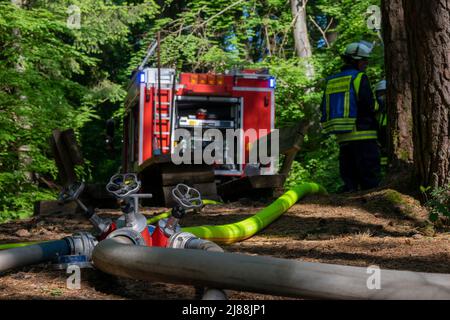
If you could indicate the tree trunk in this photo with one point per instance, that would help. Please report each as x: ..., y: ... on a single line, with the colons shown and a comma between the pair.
x: 428, y: 25
x: 302, y: 44
x: 398, y: 76
x: 301, y: 38
x: 332, y: 35
x: 23, y: 150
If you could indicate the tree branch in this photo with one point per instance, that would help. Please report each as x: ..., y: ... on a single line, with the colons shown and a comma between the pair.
x: 323, y: 31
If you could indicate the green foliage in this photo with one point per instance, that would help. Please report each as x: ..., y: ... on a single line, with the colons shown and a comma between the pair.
x: 13, y: 206
x: 351, y: 26
x: 52, y: 76
x: 296, y: 97
x: 438, y: 201
x: 320, y: 165
x: 37, y: 94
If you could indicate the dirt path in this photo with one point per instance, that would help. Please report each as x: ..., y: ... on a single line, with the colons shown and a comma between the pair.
x: 382, y: 228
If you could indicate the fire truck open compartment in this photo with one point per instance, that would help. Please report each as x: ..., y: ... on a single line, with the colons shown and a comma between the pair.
x: 221, y: 113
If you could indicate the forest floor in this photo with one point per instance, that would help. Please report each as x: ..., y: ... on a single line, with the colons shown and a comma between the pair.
x: 383, y: 228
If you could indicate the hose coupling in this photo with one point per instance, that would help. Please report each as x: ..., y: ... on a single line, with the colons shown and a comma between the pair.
x: 82, y: 243
x: 101, y: 225
x: 135, y: 236
x: 169, y: 226
x: 186, y: 240
x: 180, y: 240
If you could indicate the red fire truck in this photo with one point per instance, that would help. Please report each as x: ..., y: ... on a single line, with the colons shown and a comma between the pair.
x: 157, y: 105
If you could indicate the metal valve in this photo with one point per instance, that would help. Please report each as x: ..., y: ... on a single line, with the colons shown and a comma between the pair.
x: 123, y: 185
x: 187, y: 197
x: 72, y: 193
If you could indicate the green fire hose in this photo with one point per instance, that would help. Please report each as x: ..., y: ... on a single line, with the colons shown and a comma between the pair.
x: 245, y: 229
x: 233, y: 232
x: 17, y: 245
x: 149, y: 221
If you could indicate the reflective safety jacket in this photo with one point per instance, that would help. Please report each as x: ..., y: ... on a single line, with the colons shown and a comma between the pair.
x: 381, y: 115
x: 340, y: 106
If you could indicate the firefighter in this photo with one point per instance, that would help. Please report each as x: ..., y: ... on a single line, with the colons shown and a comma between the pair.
x: 381, y: 115
x: 348, y: 112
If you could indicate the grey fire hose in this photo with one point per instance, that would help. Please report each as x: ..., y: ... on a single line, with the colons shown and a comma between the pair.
x: 265, y: 274
x: 186, y: 240
x: 79, y: 243
x: 34, y: 254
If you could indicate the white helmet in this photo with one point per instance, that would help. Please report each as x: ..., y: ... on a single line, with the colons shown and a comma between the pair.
x: 358, y: 51
x: 380, y: 86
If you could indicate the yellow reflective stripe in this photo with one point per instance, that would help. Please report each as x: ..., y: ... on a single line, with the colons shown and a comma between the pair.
x: 357, y: 83
x: 377, y: 106
x: 339, y: 124
x: 342, y: 126
x: 356, y: 135
x: 341, y: 120
x: 327, y: 97
x: 334, y: 129
x: 383, y: 161
x: 338, y: 85
x: 381, y: 117
x: 347, y: 104
x: 383, y: 120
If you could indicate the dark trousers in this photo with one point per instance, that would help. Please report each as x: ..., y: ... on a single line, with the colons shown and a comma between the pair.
x: 359, y: 164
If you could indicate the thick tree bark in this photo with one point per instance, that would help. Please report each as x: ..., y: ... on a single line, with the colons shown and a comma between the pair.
x: 398, y: 76
x: 428, y: 25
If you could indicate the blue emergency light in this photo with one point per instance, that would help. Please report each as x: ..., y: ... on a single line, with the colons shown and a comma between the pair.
x: 142, y: 77
x: 272, y: 83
